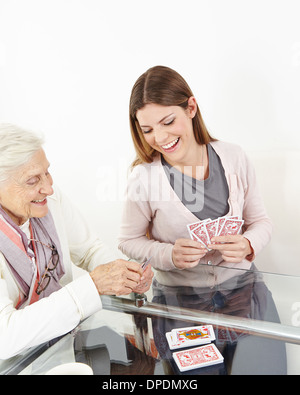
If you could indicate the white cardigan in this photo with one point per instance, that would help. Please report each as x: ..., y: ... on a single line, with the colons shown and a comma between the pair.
x: 63, y: 310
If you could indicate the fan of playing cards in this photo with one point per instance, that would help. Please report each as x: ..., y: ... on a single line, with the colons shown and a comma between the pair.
x: 203, y: 231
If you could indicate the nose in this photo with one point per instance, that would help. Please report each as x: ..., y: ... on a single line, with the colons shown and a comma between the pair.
x: 161, y: 136
x: 46, y: 187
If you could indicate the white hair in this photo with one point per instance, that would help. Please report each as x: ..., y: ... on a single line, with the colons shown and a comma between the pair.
x: 17, y: 146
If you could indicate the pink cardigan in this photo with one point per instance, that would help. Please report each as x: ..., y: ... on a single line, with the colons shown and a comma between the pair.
x: 152, y: 205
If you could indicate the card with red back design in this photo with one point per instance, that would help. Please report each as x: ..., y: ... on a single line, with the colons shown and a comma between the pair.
x: 211, y: 228
x: 191, y: 227
x: 203, y: 231
x: 198, y: 357
x: 221, y: 221
x: 231, y: 226
x: 200, y: 234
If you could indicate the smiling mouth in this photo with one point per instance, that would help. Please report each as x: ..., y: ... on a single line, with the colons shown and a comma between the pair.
x: 41, y: 201
x: 171, y: 144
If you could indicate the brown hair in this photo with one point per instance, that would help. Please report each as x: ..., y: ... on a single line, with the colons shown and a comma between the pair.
x: 164, y: 86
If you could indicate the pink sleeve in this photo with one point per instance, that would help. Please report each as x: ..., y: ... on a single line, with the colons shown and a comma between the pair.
x: 257, y: 223
x: 136, y: 221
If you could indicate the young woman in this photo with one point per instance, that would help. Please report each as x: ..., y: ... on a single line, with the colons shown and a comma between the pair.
x: 182, y: 175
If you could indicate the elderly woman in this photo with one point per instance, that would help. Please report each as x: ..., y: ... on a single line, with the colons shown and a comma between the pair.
x: 41, y: 236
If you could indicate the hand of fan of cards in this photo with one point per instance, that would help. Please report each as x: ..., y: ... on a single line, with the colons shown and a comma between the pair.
x: 196, y: 357
x: 203, y: 231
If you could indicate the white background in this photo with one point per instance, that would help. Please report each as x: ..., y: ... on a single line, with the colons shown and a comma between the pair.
x: 67, y: 68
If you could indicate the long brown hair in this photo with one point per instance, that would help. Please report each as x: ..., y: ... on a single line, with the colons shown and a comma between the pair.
x: 164, y: 86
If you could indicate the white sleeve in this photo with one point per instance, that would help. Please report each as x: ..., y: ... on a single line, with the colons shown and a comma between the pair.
x: 46, y: 319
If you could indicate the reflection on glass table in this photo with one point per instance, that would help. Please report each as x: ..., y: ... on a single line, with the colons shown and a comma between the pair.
x: 244, y: 297
x: 255, y: 317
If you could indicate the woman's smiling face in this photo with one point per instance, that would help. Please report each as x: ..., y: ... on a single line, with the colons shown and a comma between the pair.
x: 169, y: 130
x: 24, y: 195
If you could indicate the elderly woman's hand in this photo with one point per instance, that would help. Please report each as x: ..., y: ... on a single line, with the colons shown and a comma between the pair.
x: 145, y: 282
x: 119, y: 277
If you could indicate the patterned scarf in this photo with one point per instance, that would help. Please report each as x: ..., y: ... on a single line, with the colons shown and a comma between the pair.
x: 14, y: 245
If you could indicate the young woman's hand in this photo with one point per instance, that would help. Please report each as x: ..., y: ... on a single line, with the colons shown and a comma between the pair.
x: 234, y: 248
x: 187, y: 253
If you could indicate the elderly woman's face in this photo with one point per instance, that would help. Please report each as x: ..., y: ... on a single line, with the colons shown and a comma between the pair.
x: 24, y: 195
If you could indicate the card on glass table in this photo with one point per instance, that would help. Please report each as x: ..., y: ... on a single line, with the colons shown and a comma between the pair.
x: 198, y: 357
x: 190, y: 336
x: 195, y: 332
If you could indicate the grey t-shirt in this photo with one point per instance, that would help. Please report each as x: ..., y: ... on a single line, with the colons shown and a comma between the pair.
x: 206, y: 198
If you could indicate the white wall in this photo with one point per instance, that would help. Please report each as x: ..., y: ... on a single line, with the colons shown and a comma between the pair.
x: 67, y: 68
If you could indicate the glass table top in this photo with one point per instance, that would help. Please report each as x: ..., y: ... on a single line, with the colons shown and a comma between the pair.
x: 255, y: 318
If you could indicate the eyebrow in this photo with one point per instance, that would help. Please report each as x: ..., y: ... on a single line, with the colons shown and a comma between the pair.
x: 35, y: 173
x: 167, y: 116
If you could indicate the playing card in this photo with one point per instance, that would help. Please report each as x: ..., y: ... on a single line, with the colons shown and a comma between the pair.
x: 146, y: 263
x: 194, y: 332
x: 200, y: 234
x: 193, y: 225
x: 231, y: 227
x: 221, y: 221
x: 190, y: 336
x: 211, y: 229
x: 233, y: 335
x: 198, y: 357
x: 173, y: 342
x: 226, y: 335
x: 203, y: 231
x: 222, y: 336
